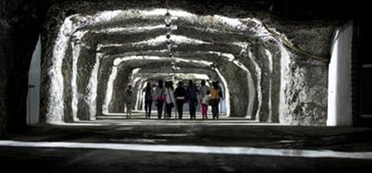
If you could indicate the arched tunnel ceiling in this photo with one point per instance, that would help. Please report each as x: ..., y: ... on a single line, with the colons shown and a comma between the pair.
x: 143, y: 32
x: 101, y: 44
x: 235, y: 9
x: 149, y: 38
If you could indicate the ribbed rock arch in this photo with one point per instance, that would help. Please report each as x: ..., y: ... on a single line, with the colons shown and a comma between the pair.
x: 244, y: 51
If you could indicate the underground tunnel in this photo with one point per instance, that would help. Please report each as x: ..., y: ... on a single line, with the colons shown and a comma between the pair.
x: 288, y: 71
x: 272, y: 67
x: 266, y: 77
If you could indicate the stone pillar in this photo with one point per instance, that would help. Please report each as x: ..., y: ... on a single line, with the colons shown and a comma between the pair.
x: 339, y: 79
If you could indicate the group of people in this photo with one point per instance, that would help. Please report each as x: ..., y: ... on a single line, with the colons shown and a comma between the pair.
x: 166, y: 97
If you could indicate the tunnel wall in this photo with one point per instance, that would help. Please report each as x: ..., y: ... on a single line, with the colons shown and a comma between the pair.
x: 20, y: 26
x: 305, y: 88
x: 340, y: 89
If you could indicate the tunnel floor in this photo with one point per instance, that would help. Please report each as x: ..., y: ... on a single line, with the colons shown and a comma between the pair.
x: 151, y: 145
x: 139, y: 116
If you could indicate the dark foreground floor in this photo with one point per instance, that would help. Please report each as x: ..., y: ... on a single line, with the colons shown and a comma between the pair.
x: 186, y: 146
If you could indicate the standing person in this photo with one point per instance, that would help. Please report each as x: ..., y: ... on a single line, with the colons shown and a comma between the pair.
x: 160, y: 97
x: 169, y: 99
x: 204, y: 105
x: 129, y: 97
x: 180, y: 95
x: 204, y: 92
x: 215, y: 99
x: 220, y: 97
x: 149, y: 97
x: 192, y: 93
x: 219, y: 88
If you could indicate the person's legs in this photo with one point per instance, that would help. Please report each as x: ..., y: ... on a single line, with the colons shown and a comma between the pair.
x: 217, y: 108
x: 146, y: 106
x: 192, y: 105
x: 150, y: 107
x: 129, y: 110
x: 125, y: 108
x: 168, y: 111
x: 195, y: 106
x: 180, y: 108
x: 204, y: 110
x: 160, y: 109
x: 214, y: 108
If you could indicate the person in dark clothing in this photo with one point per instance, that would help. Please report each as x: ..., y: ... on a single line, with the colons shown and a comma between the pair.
x: 217, y: 83
x: 180, y: 95
x: 160, y: 97
x: 192, y: 93
x: 149, y: 97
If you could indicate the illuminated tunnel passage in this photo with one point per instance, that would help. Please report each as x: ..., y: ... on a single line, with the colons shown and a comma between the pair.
x: 279, y: 63
x: 263, y: 75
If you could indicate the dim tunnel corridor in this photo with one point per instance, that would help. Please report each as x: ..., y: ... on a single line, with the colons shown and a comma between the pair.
x: 292, y: 76
x: 93, y: 57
